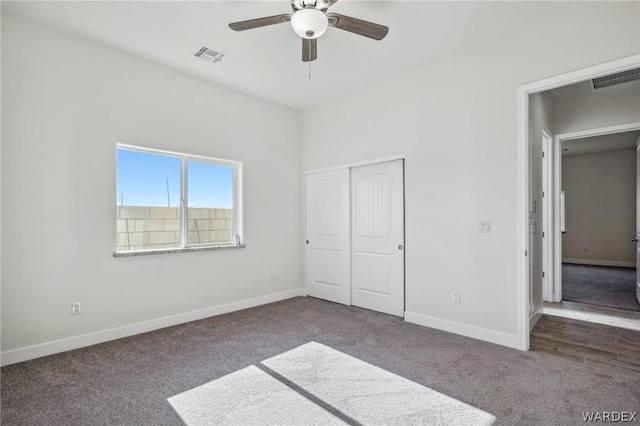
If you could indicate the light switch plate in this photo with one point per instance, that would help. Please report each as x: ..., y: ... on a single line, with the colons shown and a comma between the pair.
x: 485, y: 227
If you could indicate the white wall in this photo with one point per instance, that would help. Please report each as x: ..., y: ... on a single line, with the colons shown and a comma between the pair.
x: 600, y: 208
x: 455, y: 121
x: 541, y: 116
x: 601, y: 108
x: 65, y: 104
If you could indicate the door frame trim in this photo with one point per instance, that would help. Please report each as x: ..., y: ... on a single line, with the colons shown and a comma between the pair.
x: 523, y: 92
x: 548, y: 266
x: 556, y: 254
x: 356, y: 164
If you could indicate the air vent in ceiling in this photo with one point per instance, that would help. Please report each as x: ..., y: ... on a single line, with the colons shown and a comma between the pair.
x: 209, y: 55
x: 615, y: 79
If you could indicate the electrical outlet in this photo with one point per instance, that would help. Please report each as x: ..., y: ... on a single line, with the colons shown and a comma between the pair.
x: 456, y: 297
x: 75, y: 308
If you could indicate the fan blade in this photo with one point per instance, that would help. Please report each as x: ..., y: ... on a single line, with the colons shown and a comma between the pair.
x: 260, y: 22
x: 357, y: 26
x: 309, y: 49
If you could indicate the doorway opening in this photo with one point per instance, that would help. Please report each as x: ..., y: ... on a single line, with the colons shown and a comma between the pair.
x: 594, y: 248
x: 539, y: 235
x: 598, y: 181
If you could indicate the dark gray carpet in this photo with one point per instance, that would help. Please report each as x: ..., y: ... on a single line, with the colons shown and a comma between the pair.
x: 600, y: 285
x: 129, y: 381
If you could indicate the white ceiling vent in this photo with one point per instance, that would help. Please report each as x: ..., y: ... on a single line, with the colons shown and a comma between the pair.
x: 209, y: 55
x: 615, y: 79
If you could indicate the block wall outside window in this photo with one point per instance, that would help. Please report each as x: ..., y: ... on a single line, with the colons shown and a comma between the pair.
x: 150, y: 228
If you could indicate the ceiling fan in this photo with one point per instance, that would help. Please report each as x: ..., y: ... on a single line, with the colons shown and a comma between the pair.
x: 310, y: 20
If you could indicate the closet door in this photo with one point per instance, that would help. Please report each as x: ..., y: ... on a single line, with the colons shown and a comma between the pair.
x: 327, y: 229
x: 377, y: 237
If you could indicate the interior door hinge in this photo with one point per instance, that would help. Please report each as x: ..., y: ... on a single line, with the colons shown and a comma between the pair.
x: 542, y: 274
x: 525, y: 252
x: 542, y: 154
x: 542, y: 234
x: 542, y: 194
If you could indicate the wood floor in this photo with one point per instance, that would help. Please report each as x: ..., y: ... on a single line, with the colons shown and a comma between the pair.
x: 598, y: 345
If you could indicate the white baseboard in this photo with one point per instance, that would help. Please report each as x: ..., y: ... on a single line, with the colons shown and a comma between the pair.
x: 600, y: 263
x: 57, y: 346
x: 487, y: 335
x: 534, y: 320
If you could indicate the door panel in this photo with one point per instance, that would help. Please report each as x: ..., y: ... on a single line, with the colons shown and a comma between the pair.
x: 378, y: 237
x: 326, y: 206
x: 372, y: 205
x: 327, y: 266
x: 372, y: 273
x: 327, y: 230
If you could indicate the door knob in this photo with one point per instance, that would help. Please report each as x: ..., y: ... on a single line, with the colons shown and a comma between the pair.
x: 635, y: 240
x: 400, y: 247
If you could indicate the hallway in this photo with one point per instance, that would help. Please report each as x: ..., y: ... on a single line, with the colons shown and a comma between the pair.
x: 600, y: 285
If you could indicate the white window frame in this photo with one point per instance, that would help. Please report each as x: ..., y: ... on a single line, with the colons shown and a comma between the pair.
x: 185, y: 246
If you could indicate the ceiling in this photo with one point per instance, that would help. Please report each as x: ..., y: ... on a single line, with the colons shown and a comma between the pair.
x: 603, y: 143
x: 266, y: 62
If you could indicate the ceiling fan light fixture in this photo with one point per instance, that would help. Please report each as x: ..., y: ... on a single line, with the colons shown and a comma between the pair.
x: 309, y: 23
x: 318, y: 4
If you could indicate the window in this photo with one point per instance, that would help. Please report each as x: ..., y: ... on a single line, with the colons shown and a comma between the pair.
x: 175, y: 202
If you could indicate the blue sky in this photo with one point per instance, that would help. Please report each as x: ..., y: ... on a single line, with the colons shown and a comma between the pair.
x: 142, y: 181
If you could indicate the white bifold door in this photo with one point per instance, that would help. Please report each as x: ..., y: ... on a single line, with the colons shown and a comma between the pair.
x: 327, y: 211
x: 355, y: 236
x: 377, y: 237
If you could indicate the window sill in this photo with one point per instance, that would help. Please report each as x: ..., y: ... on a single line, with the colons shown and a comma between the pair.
x: 175, y: 250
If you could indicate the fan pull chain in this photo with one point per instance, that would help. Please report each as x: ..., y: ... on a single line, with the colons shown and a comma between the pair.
x: 309, y: 62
